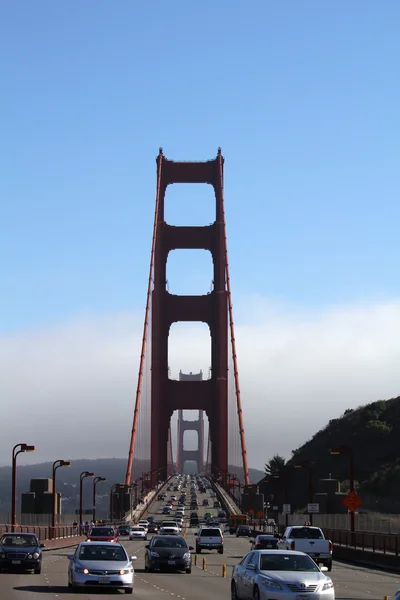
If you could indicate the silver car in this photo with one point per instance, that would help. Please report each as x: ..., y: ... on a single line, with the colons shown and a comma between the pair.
x: 101, y: 564
x: 282, y: 575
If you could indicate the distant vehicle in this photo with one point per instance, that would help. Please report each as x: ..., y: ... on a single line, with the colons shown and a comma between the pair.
x: 123, y: 529
x: 103, y: 534
x: 236, y: 520
x: 138, y: 532
x: 210, y: 538
x: 262, y: 542
x: 243, y: 531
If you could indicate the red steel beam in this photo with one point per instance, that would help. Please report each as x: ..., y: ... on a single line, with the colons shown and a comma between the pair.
x: 145, y: 332
x: 233, y: 339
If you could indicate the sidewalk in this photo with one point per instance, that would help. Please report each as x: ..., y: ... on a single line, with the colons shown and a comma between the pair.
x: 60, y: 543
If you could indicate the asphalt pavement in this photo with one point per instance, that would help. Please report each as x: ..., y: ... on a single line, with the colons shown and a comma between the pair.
x: 351, y: 582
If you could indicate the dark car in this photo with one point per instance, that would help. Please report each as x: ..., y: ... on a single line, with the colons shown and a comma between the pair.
x: 243, y: 531
x: 123, y: 529
x: 152, y: 528
x: 194, y: 520
x: 168, y: 552
x: 264, y: 541
x: 20, y: 551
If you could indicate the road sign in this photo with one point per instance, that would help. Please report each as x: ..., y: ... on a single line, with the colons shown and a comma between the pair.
x: 313, y: 507
x: 260, y: 514
x: 251, y: 512
x: 286, y: 509
x: 352, y: 501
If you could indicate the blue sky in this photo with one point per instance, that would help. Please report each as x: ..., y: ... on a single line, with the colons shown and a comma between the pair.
x: 303, y: 98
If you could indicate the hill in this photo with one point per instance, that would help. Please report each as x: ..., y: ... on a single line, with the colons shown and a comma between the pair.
x: 372, y: 432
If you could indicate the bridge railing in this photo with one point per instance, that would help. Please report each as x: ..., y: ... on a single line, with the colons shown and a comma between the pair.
x: 42, y: 533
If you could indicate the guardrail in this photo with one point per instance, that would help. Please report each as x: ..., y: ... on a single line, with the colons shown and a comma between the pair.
x: 41, y: 532
x: 361, y: 540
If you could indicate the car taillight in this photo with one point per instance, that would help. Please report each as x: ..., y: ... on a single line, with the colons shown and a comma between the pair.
x: 222, y: 540
x: 292, y: 546
x: 330, y: 546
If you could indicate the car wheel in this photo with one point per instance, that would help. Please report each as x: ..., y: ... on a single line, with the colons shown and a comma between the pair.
x: 189, y: 570
x: 128, y: 590
x: 37, y: 571
x: 329, y: 565
x: 198, y: 550
x: 256, y: 593
x: 234, y: 594
x: 221, y: 551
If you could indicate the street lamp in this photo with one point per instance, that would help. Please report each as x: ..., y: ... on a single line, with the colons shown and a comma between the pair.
x: 18, y: 448
x: 83, y: 475
x: 284, y: 478
x: 347, y: 451
x: 56, y: 465
x: 305, y: 464
x: 96, y: 480
x: 112, y: 491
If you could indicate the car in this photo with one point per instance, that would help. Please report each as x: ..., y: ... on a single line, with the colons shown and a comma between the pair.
x: 103, y: 534
x: 101, y: 564
x: 123, y: 529
x: 282, y: 575
x: 243, y: 531
x: 138, y: 533
x: 264, y: 541
x: 21, y: 551
x: 153, y: 528
x: 170, y: 552
x: 143, y: 523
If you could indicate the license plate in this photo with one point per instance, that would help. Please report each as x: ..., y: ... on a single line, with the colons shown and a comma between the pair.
x: 16, y: 562
x: 104, y: 580
x: 171, y: 562
x: 303, y: 598
x: 268, y: 545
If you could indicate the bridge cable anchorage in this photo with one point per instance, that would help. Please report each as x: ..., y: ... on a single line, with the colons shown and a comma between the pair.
x: 145, y: 325
x: 232, y: 331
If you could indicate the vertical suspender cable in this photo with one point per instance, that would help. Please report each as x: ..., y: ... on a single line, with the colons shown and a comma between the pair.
x: 145, y: 328
x: 233, y: 340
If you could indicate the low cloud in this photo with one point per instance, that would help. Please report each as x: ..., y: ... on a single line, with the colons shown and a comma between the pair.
x: 71, y: 389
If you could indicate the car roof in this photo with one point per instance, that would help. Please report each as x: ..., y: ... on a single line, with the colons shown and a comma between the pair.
x: 168, y: 537
x: 291, y: 552
x: 110, y: 544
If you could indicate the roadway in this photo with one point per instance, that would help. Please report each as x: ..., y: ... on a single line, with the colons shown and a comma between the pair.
x: 351, y: 582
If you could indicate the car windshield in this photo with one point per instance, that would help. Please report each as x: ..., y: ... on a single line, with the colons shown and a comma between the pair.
x: 177, y: 543
x: 95, y: 552
x: 18, y: 540
x: 101, y: 531
x: 210, y: 533
x: 306, y: 533
x: 287, y: 562
x: 138, y: 529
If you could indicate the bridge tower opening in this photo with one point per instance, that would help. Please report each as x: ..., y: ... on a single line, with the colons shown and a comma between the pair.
x: 183, y: 454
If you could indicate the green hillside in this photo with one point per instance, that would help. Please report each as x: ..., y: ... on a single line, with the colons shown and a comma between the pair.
x: 372, y: 432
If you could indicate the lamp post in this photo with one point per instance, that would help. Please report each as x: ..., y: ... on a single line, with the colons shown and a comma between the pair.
x: 113, y: 487
x: 18, y: 448
x: 83, y: 476
x: 283, y: 477
x: 96, y: 480
x: 305, y: 464
x: 56, y: 465
x: 347, y: 451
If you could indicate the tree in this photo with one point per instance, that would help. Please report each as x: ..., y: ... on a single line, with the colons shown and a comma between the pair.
x: 275, y: 465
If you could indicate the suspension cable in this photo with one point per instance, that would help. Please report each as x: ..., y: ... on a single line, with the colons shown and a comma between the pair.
x: 232, y: 328
x: 145, y: 326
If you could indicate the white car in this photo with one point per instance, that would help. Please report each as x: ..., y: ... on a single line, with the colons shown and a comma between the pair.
x: 138, y: 533
x: 144, y: 524
x: 282, y: 575
x: 169, y: 528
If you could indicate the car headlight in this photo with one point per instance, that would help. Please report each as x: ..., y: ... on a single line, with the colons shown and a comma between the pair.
x: 29, y: 556
x: 328, y: 585
x: 271, y: 584
x: 186, y: 555
x: 81, y: 570
x: 124, y: 571
x: 154, y: 554
x: 36, y: 555
x: 2, y: 555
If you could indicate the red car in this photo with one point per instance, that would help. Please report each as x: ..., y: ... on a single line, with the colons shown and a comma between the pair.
x: 103, y: 534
